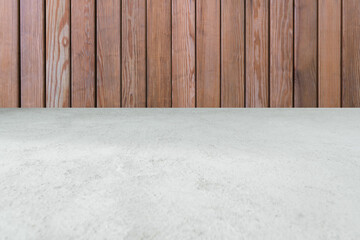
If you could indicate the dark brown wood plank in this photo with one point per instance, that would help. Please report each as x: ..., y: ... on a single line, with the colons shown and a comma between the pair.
x: 9, y: 54
x: 232, y: 53
x: 208, y: 53
x: 108, y: 53
x: 58, y: 53
x: 83, y: 53
x: 32, y: 33
x: 281, y: 53
x: 351, y: 53
x: 183, y: 53
x: 329, y: 53
x: 134, y: 53
x: 305, y: 65
x: 159, y: 53
x: 257, y: 53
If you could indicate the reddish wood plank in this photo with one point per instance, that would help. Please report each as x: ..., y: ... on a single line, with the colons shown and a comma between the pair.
x: 351, y: 53
x: 159, y: 53
x: 83, y: 53
x: 305, y: 65
x: 32, y: 53
x: 183, y: 53
x: 9, y: 54
x: 108, y: 53
x: 281, y: 53
x: 57, y: 53
x: 232, y: 53
x: 134, y: 53
x: 329, y: 53
x: 257, y: 53
x: 208, y: 53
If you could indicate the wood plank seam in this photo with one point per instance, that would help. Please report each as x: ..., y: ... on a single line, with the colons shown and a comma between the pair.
x: 341, y: 53
x: 269, y: 54
x: 245, y: 54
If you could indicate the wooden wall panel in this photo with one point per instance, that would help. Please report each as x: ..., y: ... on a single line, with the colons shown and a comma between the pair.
x: 329, y: 53
x: 159, y: 53
x: 208, y: 53
x: 179, y: 53
x: 83, y: 53
x: 281, y: 53
x: 351, y: 53
x: 134, y: 53
x: 183, y: 53
x: 32, y: 22
x: 232, y: 53
x: 257, y: 53
x: 9, y: 54
x: 305, y: 59
x: 58, y: 53
x: 108, y: 53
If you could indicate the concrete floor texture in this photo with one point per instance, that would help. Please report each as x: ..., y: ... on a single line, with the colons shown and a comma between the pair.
x: 179, y: 174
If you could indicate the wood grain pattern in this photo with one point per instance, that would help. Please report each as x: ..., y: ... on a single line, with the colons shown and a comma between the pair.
x: 183, y: 53
x: 159, y: 53
x: 351, y: 53
x: 32, y: 45
x: 57, y: 53
x: 9, y: 54
x: 179, y: 53
x: 305, y: 65
x: 83, y: 53
x: 257, y: 53
x: 232, y: 53
x: 208, y: 53
x: 281, y: 53
x: 134, y: 53
x: 329, y: 53
x: 108, y: 53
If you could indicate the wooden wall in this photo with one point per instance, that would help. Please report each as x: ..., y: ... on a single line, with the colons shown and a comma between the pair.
x: 179, y: 53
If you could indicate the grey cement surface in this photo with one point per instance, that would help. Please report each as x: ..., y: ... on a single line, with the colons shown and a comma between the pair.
x: 180, y: 174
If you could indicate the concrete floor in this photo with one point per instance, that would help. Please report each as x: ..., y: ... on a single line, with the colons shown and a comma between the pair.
x: 180, y: 174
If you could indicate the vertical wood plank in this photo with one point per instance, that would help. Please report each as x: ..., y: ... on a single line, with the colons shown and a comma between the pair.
x: 257, y: 53
x: 305, y: 85
x: 208, y: 53
x: 351, y: 53
x: 329, y: 53
x: 32, y: 16
x: 159, y: 53
x: 183, y: 53
x: 281, y: 53
x: 232, y: 53
x: 83, y: 53
x: 9, y: 54
x: 108, y: 53
x: 57, y: 53
x: 134, y: 53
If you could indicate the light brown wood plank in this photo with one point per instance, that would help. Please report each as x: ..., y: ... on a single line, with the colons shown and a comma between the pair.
x: 305, y: 65
x: 9, y: 54
x: 32, y: 17
x: 83, y: 53
x: 281, y: 53
x: 159, y: 53
x: 108, y: 53
x: 351, y: 53
x: 232, y: 53
x: 183, y: 53
x: 208, y: 53
x: 134, y: 53
x: 57, y: 53
x: 329, y: 53
x: 257, y: 53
